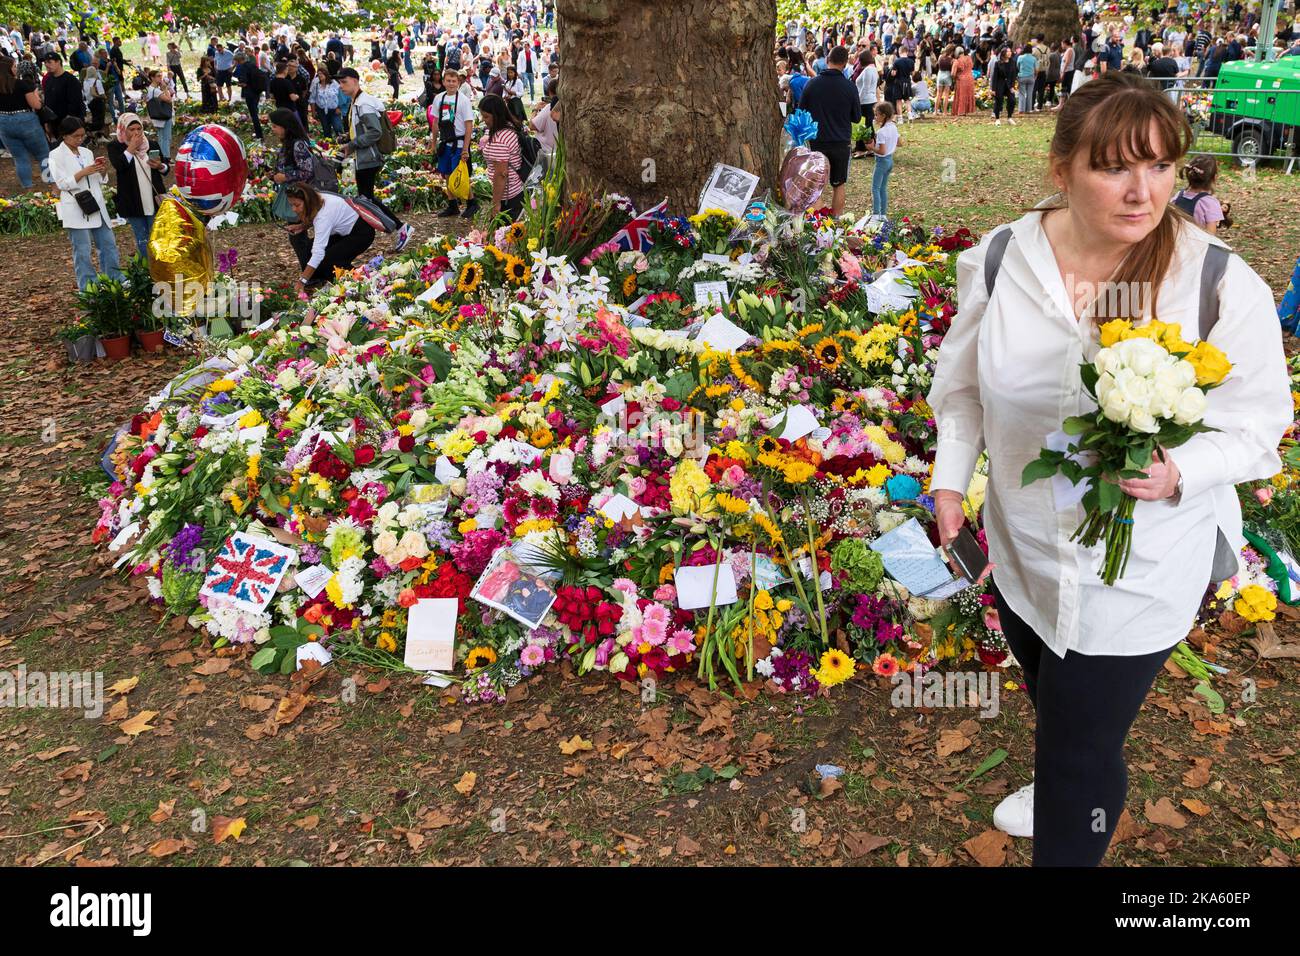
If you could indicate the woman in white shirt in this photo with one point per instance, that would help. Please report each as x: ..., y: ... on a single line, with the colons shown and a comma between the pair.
x: 339, y: 235
x: 161, y: 92
x: 1008, y: 376
x: 868, y: 83
x: 75, y: 169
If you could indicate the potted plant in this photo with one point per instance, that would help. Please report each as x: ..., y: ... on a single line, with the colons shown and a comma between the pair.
x: 150, y: 319
x: 105, y: 304
x: 79, y: 339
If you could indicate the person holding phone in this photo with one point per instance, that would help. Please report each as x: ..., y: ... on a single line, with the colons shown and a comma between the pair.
x: 81, y: 208
x: 1008, y: 376
x: 140, y: 168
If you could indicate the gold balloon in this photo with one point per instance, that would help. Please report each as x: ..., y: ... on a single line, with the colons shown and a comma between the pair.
x: 180, y: 256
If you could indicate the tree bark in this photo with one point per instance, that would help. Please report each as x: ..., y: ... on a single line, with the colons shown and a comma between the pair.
x: 655, y: 92
x: 1053, y: 20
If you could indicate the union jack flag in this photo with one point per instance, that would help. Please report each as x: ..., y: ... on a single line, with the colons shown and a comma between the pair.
x: 247, y: 571
x: 635, y: 236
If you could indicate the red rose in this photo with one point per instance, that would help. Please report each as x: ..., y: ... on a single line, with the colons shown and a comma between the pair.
x: 406, y: 443
x: 364, y: 455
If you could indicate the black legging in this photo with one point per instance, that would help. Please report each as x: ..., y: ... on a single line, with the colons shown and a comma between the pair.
x: 366, y: 187
x: 1085, y: 705
x: 340, y: 251
x: 253, y: 99
x: 1004, y: 96
x: 179, y: 73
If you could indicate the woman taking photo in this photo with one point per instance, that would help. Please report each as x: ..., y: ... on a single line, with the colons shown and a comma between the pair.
x: 1008, y: 376
x: 78, y: 173
x: 158, y: 106
x: 207, y: 86
x: 502, y: 153
x: 339, y: 235
x: 943, y: 81
x: 20, y: 128
x: 140, y: 169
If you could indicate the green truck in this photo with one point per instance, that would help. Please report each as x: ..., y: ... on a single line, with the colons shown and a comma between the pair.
x: 1257, y: 107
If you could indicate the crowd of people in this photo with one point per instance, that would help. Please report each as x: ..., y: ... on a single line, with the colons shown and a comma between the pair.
x: 478, y: 73
x: 859, y: 79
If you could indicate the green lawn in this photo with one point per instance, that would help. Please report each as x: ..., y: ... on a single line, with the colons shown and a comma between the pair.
x: 968, y: 172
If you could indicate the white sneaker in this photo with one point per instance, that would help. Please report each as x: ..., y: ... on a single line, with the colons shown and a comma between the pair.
x: 1012, y: 122
x: 1015, y: 814
x: 997, y: 122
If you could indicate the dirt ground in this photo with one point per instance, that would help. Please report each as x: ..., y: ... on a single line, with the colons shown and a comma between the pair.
x: 199, y: 760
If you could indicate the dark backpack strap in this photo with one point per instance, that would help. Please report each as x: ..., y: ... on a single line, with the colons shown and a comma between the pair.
x: 1212, y: 269
x: 993, y: 258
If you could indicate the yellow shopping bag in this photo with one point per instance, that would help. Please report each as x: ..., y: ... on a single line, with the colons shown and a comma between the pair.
x: 458, y: 182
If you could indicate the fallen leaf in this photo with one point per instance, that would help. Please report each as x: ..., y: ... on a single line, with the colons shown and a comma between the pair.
x: 1199, y: 775
x: 213, y: 665
x: 138, y: 724
x: 166, y: 848
x: 291, y: 705
x: 466, y: 783
x: 859, y: 844
x: 56, y: 752
x: 573, y: 745
x: 1163, y: 813
x: 686, y: 846
x: 952, y: 741
x: 223, y: 827
x: 1196, y: 806
x: 307, y: 823
x: 164, y: 811
x: 989, y: 848
x: 124, y: 686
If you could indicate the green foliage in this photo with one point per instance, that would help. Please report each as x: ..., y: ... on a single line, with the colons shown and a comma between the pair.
x: 106, y: 305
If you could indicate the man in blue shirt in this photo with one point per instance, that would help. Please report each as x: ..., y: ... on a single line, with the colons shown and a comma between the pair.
x: 224, y: 61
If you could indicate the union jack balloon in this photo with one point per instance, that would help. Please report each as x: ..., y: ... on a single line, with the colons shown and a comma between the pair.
x: 211, y: 169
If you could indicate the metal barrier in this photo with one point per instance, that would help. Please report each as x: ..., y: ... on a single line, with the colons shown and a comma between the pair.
x: 1248, y: 124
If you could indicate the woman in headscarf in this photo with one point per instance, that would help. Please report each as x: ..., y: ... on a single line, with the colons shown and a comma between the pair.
x: 140, y: 167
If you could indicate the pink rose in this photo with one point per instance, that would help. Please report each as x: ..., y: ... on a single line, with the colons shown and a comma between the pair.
x: 991, y: 619
x: 1264, y: 495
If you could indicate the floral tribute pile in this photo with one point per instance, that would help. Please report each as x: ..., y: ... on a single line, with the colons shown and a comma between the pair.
x: 572, y: 443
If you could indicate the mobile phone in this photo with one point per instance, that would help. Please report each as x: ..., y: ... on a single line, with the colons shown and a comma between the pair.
x: 967, y: 555
x: 155, y: 154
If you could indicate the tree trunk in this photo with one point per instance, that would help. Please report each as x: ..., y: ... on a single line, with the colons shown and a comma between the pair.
x: 655, y: 92
x: 1053, y: 20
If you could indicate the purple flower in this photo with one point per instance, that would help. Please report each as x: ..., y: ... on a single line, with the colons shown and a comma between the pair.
x: 182, y: 550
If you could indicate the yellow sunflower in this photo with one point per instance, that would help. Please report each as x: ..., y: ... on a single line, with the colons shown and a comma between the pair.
x: 515, y: 232
x: 480, y: 657
x: 517, y: 271
x: 828, y: 353
x: 629, y: 285
x: 767, y: 445
x: 471, y: 274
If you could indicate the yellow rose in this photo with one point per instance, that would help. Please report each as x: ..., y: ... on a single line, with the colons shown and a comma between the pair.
x: 1113, y: 331
x: 1211, y: 365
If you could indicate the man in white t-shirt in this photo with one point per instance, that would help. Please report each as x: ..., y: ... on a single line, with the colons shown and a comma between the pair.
x: 451, y: 121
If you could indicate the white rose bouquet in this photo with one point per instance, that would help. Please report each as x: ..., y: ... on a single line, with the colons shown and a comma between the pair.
x: 1150, y: 387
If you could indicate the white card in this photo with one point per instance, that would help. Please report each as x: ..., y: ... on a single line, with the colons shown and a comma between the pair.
x: 431, y: 634
x: 614, y: 406
x: 313, y: 578
x: 716, y: 257
x: 437, y: 680
x: 434, y: 291
x: 799, y: 421
x: 246, y: 571
x: 695, y: 586
x: 445, y: 471
x: 123, y: 536
x: 619, y: 507
x: 723, y: 335
x: 633, y: 306
x: 252, y: 436
x: 311, y: 651
x: 712, y: 293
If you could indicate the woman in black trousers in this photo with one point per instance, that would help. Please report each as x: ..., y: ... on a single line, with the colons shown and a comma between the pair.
x: 339, y: 235
x: 1003, y: 83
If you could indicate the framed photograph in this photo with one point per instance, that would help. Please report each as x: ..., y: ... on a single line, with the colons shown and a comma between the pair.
x: 729, y: 188
x: 509, y: 587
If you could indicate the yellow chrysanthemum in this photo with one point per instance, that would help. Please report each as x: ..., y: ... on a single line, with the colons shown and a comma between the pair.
x: 386, y: 642
x: 1256, y: 603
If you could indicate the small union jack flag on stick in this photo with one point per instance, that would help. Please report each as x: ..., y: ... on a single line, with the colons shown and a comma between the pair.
x: 247, y: 571
x: 635, y: 236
